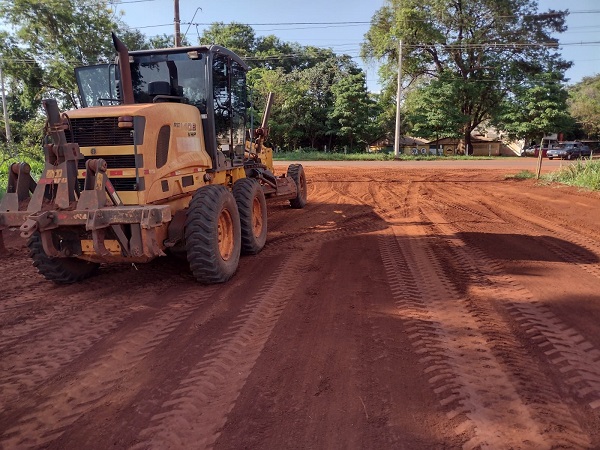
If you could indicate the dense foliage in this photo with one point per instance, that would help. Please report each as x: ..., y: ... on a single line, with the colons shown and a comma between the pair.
x: 584, y: 105
x: 321, y: 99
x: 475, y: 52
x: 535, y: 108
x: 47, y: 39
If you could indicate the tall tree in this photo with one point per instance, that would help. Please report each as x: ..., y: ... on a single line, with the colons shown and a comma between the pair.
x: 353, y: 109
x: 487, y: 45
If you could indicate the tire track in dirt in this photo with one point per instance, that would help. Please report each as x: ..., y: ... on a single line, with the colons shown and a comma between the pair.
x: 34, y: 351
x: 198, y: 409
x: 66, y: 405
x: 517, y: 217
x: 426, y: 302
x: 461, y: 367
x: 454, y: 340
x: 487, y: 281
x: 46, y: 296
x: 353, y: 216
x: 60, y: 303
x: 569, y: 351
x: 578, y: 258
x: 362, y: 223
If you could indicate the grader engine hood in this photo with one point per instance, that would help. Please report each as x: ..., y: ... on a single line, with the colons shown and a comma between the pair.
x: 142, y: 144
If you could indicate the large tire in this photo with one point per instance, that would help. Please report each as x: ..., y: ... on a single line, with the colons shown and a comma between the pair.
x: 59, y: 270
x: 212, y: 235
x: 252, y: 206
x: 296, y: 173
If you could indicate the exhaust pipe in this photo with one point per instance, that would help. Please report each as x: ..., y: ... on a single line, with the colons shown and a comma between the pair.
x: 126, y: 84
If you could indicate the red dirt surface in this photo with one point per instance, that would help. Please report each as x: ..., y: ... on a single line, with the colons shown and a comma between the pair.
x: 402, y: 308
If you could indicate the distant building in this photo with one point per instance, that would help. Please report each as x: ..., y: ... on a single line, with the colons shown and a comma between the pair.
x: 489, y: 145
x: 408, y: 145
x: 482, y: 146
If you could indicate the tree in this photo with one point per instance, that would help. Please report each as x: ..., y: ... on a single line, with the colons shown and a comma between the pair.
x: 47, y: 40
x: 535, y: 108
x: 58, y: 35
x: 352, y: 109
x: 303, y: 100
x: 584, y: 104
x: 160, y: 41
x: 486, y: 45
x: 237, y: 37
x: 428, y: 112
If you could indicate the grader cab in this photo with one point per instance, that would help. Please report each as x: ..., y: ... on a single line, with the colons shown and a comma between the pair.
x: 158, y: 159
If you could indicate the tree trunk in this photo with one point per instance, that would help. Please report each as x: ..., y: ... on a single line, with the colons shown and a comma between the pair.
x: 467, y: 140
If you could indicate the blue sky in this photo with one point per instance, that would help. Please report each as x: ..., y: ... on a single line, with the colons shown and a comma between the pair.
x: 156, y: 17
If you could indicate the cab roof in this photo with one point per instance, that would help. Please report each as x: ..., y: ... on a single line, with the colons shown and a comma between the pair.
x: 217, y: 49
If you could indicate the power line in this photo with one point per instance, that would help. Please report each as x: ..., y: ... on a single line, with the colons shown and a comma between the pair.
x: 349, y: 53
x: 336, y: 23
x: 129, y: 1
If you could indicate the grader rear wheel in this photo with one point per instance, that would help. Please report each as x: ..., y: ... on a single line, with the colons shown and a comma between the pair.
x: 212, y: 235
x: 252, y: 207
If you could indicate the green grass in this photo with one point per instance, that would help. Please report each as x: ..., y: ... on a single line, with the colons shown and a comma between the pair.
x: 584, y: 174
x: 313, y: 155
x: 307, y: 155
x: 522, y: 175
x: 36, y: 170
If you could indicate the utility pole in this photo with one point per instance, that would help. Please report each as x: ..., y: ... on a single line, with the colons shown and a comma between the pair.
x: 177, y: 24
x: 398, y: 95
x: 9, y: 138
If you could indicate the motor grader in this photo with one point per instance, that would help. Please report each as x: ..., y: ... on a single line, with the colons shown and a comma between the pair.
x: 158, y: 159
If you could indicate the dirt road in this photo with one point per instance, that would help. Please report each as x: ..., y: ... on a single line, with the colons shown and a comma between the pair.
x: 402, y: 308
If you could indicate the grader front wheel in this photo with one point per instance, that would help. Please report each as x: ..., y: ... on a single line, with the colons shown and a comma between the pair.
x: 59, y: 270
x: 296, y: 173
x: 212, y: 235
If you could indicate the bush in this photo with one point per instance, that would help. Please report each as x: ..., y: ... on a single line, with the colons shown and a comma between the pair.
x: 19, y: 153
x: 522, y: 175
x: 585, y: 174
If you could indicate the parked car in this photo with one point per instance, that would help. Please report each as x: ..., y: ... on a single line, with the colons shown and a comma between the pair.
x: 568, y: 150
x: 585, y: 151
x: 533, y: 150
x: 528, y: 151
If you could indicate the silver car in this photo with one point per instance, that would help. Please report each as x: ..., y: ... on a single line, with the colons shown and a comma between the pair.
x: 568, y: 150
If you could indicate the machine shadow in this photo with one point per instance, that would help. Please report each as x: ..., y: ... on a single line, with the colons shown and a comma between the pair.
x: 517, y: 247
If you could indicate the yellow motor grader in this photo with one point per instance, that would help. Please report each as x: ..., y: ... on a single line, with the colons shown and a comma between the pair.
x: 158, y: 159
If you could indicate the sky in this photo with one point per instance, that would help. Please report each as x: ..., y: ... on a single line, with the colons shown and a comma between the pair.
x: 298, y: 21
